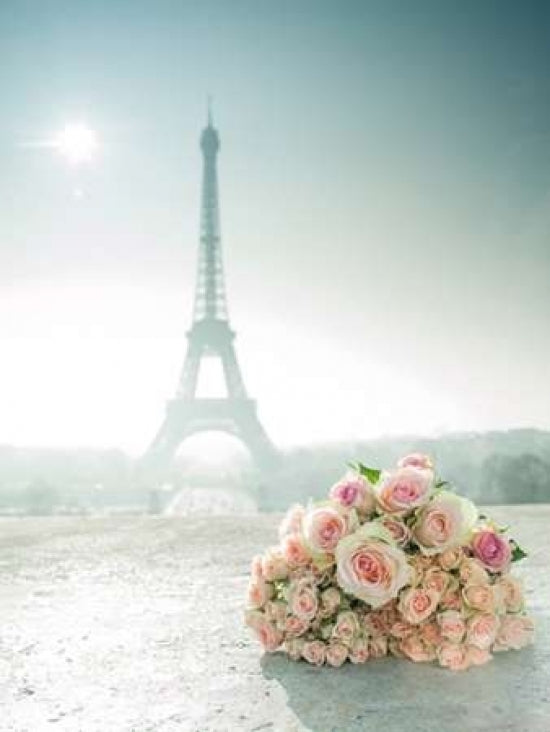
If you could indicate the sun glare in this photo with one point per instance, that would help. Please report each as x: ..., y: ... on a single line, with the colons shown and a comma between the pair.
x: 77, y: 143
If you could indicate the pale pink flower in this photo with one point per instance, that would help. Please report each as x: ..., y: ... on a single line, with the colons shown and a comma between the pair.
x: 336, y: 653
x: 295, y: 626
x: 451, y: 600
x: 324, y: 526
x: 398, y: 529
x: 346, y: 627
x: 353, y: 491
x: 404, y: 489
x: 293, y: 647
x: 471, y: 571
x: 481, y: 630
x: 269, y: 636
x: 256, y: 567
x: 295, y: 551
x: 480, y: 597
x: 370, y: 566
x: 292, y: 521
x: 477, y: 656
x: 452, y: 656
x: 275, y: 612
x: 331, y: 599
x: 436, y: 579
x: 274, y: 565
x: 417, y: 604
x: 492, y: 549
x: 414, y: 648
x: 378, y: 646
x: 359, y: 650
x: 259, y: 592
x: 302, y: 598
x: 416, y: 460
x: 450, y: 558
x: 400, y: 629
x: 511, y: 592
x: 430, y: 633
x: 254, y: 618
x: 515, y: 632
x: 444, y: 523
x: 314, y: 652
x: 451, y: 625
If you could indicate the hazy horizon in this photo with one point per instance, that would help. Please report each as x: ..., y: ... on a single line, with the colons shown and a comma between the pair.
x: 385, y: 210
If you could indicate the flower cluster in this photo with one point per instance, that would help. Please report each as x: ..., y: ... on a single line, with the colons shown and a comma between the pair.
x: 391, y: 563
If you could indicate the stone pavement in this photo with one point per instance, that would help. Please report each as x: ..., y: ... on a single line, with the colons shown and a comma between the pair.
x: 134, y: 624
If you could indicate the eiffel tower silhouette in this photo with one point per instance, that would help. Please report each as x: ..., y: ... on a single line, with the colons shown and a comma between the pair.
x: 211, y: 337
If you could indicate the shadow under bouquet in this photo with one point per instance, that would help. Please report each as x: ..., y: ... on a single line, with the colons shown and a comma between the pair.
x: 392, y: 563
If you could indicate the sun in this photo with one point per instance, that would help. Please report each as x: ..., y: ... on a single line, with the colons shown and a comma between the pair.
x: 77, y: 143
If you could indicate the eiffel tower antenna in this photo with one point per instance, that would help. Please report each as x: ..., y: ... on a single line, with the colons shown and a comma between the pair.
x: 211, y: 336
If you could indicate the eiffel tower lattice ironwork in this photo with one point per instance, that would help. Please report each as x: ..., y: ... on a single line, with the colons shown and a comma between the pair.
x: 211, y: 336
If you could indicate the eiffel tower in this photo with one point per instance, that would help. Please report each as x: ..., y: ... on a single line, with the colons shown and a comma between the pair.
x: 210, y: 336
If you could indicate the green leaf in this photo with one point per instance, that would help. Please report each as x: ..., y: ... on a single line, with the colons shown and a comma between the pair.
x: 517, y: 552
x: 371, y: 474
x: 441, y: 484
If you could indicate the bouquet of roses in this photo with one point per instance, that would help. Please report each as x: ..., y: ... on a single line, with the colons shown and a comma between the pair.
x: 392, y: 563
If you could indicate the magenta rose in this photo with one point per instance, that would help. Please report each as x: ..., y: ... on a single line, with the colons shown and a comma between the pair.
x: 492, y: 549
x: 353, y: 491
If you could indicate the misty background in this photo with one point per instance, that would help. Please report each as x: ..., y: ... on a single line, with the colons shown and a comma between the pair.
x: 385, y: 210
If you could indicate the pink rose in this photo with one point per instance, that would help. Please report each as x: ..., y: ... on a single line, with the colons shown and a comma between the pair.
x: 510, y: 590
x: 323, y: 528
x: 436, y: 579
x: 378, y: 646
x: 302, y: 599
x: 259, y: 592
x: 451, y: 600
x: 471, y: 572
x: 274, y: 566
x: 414, y: 648
x: 256, y: 567
x: 451, y: 625
x: 370, y: 566
x: 293, y: 647
x: 452, y: 656
x: 515, y: 632
x: 492, y: 549
x: 404, y: 489
x: 314, y: 652
x: 398, y: 529
x: 479, y: 597
x: 295, y: 551
x: 336, y: 653
x: 400, y: 629
x: 330, y: 600
x: 269, y: 636
x: 416, y: 460
x: 292, y: 521
x: 346, y: 627
x: 353, y: 491
x: 444, y: 523
x: 476, y: 656
x: 450, y: 558
x: 295, y: 626
x: 359, y: 650
x: 430, y: 633
x: 275, y: 612
x: 481, y: 630
x: 417, y: 604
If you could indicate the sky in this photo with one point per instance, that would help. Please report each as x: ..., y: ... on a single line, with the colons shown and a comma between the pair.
x: 385, y: 209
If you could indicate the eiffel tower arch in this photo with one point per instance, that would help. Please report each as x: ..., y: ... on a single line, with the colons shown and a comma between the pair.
x: 210, y: 336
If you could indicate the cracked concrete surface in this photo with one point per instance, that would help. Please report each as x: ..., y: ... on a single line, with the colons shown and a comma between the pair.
x: 134, y: 624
